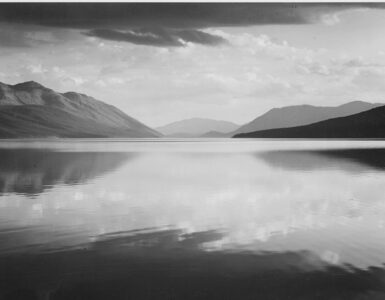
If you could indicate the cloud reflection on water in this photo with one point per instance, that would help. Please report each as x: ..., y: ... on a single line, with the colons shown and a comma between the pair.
x: 320, y: 201
x: 159, y: 265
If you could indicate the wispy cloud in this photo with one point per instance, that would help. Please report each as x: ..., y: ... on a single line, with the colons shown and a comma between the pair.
x: 158, y: 37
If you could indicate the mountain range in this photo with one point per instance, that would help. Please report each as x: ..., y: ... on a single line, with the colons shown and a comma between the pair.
x: 299, y: 115
x: 367, y: 124
x: 31, y: 110
x: 196, y: 127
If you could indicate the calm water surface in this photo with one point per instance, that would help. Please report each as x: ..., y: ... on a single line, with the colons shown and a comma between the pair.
x: 192, y: 219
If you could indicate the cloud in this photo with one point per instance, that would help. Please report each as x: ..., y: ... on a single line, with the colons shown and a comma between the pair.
x: 158, y: 37
x: 15, y: 36
x: 22, y: 36
x: 331, y: 19
x: 337, y: 67
x: 171, y: 15
x: 10, y: 38
x: 176, y: 15
x: 177, y: 23
x: 313, y: 67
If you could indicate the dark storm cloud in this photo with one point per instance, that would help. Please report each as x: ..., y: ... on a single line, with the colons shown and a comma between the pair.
x: 176, y: 22
x: 185, y: 15
x: 158, y: 37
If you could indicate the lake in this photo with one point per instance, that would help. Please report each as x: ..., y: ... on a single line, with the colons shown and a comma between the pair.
x: 192, y: 219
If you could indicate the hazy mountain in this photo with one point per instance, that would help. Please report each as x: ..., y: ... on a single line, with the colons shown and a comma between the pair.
x: 196, y: 127
x: 31, y: 110
x: 368, y: 124
x: 215, y: 134
x: 299, y: 115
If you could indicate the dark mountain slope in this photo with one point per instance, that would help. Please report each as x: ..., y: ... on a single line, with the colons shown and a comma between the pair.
x: 31, y: 110
x: 299, y: 115
x: 368, y: 124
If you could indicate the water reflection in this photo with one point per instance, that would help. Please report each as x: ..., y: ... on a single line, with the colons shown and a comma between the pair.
x: 350, y: 160
x: 31, y: 171
x: 206, y: 223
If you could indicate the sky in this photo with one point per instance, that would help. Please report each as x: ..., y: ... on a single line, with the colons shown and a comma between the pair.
x: 161, y: 63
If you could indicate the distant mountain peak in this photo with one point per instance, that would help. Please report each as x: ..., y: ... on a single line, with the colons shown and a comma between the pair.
x: 29, y: 85
x: 356, y: 102
x: 195, y: 127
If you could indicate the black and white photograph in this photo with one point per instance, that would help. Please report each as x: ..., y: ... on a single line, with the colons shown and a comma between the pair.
x: 192, y: 150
